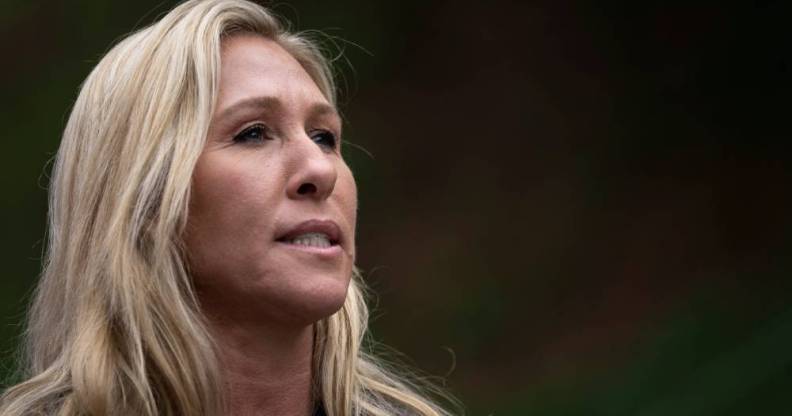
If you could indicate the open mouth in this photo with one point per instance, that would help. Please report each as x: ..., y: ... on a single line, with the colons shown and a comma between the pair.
x: 319, y: 240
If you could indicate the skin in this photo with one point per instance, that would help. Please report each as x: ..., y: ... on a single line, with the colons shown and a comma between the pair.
x: 268, y: 165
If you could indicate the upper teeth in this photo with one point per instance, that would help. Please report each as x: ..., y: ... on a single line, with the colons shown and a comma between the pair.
x: 311, y: 239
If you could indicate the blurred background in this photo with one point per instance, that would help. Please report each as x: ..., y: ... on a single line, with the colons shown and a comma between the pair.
x: 565, y: 209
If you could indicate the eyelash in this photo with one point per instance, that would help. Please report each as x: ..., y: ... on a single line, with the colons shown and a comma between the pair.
x: 319, y: 137
x: 260, y: 129
x: 326, y: 136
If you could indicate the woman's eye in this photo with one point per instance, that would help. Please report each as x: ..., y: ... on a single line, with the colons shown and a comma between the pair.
x: 254, y: 133
x: 325, y: 138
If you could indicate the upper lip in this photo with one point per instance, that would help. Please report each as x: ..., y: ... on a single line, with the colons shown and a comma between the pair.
x: 326, y: 227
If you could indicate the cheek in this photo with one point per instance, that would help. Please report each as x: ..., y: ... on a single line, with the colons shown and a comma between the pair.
x: 347, y: 190
x: 221, y: 197
x: 347, y: 195
x: 228, y: 209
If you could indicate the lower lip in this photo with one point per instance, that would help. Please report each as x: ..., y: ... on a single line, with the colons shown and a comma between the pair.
x: 325, y: 252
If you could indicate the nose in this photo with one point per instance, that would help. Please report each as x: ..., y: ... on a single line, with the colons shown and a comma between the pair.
x: 314, y: 171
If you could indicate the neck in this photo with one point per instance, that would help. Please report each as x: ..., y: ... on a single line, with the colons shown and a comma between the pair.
x: 267, y: 369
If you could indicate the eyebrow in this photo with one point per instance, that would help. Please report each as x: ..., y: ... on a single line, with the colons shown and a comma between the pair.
x: 263, y: 102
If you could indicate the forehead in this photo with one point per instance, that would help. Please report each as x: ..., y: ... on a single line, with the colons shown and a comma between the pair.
x: 254, y: 66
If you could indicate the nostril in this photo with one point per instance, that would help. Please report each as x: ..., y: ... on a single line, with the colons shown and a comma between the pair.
x: 306, y: 188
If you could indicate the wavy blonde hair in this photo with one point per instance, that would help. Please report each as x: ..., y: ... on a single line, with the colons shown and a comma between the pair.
x: 115, y: 327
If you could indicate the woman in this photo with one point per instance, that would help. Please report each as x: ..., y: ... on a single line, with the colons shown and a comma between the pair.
x: 201, y: 248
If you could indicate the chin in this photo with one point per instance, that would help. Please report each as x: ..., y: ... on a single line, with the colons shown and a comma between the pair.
x: 315, y: 299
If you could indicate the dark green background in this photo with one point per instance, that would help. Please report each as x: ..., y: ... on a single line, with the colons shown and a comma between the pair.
x: 568, y: 209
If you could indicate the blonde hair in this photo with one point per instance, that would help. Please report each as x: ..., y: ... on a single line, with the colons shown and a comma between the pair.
x: 114, y: 326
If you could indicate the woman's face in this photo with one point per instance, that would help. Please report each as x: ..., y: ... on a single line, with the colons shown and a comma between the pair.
x: 271, y: 230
